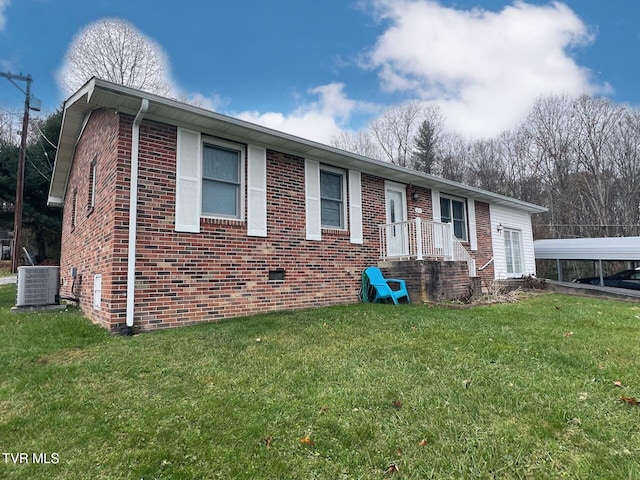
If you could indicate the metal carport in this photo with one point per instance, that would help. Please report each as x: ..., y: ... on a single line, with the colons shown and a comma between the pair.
x: 596, y: 249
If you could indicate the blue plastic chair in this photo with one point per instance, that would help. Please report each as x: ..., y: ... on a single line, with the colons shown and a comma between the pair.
x: 378, y: 287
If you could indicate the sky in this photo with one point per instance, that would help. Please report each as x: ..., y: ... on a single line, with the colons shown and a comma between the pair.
x: 319, y: 68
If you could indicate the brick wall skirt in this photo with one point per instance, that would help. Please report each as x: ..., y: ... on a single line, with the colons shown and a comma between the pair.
x: 433, y: 280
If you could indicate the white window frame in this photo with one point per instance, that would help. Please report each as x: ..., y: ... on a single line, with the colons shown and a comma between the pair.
x: 214, y: 142
x: 450, y: 199
x: 343, y: 176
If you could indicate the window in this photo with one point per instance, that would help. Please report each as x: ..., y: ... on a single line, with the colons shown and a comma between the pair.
x: 91, y: 198
x: 222, y: 175
x: 453, y: 211
x: 513, y: 250
x: 332, y: 195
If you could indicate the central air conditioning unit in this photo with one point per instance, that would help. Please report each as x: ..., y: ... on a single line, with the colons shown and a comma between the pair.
x: 38, y: 286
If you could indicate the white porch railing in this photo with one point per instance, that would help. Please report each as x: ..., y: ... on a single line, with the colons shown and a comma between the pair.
x: 419, y: 239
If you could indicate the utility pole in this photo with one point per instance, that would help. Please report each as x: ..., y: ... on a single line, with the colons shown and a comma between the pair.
x: 17, y: 219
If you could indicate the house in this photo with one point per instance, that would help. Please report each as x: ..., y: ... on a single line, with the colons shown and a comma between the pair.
x: 175, y: 215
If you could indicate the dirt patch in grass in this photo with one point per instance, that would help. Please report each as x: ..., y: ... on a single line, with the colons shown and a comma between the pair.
x: 5, y: 268
x: 67, y: 356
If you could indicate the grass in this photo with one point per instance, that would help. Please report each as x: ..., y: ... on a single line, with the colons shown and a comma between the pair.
x: 5, y: 268
x: 514, y: 391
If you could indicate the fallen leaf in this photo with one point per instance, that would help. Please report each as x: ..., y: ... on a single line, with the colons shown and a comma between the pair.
x: 324, y: 409
x: 567, y: 334
x: 397, y: 403
x: 267, y: 442
x: 393, y: 468
x: 399, y: 451
x: 630, y: 400
x: 423, y: 442
x: 618, y: 383
x: 307, y: 441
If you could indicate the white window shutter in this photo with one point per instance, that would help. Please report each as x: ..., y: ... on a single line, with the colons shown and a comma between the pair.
x: 312, y: 194
x: 257, y: 192
x: 473, y: 232
x: 188, y: 181
x: 355, y: 206
x: 435, y: 206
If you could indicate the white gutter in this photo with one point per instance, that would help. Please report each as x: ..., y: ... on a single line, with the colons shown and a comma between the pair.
x: 133, y: 212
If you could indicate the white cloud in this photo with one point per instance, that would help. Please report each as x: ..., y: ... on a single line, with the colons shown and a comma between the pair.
x: 484, y: 69
x: 3, y: 16
x: 320, y: 120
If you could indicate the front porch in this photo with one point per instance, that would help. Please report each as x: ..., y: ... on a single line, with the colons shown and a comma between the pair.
x: 435, y: 265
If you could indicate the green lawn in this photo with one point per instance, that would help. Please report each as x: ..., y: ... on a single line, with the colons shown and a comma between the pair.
x: 513, y: 391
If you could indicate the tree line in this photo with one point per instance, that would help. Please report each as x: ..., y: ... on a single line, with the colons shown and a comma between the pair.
x: 41, y: 225
x: 579, y: 157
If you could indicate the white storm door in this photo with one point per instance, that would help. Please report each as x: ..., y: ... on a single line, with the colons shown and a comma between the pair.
x: 397, y: 239
x: 513, y: 251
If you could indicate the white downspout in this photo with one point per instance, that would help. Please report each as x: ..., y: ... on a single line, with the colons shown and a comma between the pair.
x: 133, y: 214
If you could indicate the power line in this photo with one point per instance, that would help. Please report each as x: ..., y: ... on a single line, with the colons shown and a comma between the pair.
x: 44, y: 136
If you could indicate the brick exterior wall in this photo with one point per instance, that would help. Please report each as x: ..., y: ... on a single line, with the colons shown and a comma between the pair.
x: 485, y: 246
x: 186, y: 278
x: 91, y: 237
x: 434, y: 281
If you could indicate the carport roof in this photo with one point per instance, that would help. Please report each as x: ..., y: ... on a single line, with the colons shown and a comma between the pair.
x: 610, y: 248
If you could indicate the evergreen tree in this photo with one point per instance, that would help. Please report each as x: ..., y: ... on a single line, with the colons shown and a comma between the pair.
x: 425, y: 156
x: 40, y: 224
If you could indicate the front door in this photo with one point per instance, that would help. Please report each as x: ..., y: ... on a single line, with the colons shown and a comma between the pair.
x: 397, y: 239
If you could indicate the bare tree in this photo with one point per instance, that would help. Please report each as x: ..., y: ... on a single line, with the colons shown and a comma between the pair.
x: 360, y: 143
x: 626, y: 163
x: 395, y: 129
x: 454, y: 158
x: 113, y: 49
x: 596, y: 121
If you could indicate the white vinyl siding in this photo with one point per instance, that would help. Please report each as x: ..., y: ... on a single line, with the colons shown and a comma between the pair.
x: 511, y: 220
